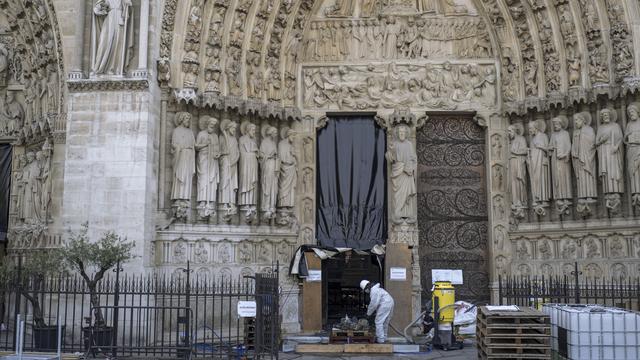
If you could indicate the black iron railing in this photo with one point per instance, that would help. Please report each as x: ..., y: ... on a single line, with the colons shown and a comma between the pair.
x: 572, y: 289
x: 151, y: 316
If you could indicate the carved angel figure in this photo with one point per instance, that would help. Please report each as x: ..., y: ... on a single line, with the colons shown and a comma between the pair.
x: 404, y: 163
x: 111, y: 36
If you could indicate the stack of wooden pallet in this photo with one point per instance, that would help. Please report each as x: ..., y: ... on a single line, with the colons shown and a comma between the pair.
x: 523, y: 334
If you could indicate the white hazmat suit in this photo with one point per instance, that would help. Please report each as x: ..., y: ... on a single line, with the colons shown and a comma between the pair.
x: 382, y: 304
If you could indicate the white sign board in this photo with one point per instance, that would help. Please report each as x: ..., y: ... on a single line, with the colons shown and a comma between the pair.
x: 454, y: 276
x: 247, y: 308
x: 398, y: 274
x: 314, y: 276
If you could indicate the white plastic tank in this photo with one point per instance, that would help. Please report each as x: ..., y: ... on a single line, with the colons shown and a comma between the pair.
x: 594, y: 332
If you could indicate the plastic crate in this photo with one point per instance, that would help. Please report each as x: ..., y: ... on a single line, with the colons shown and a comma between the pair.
x: 594, y: 332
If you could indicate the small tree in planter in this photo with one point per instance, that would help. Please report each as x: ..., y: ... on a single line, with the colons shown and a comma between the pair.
x: 29, y: 279
x: 92, y: 260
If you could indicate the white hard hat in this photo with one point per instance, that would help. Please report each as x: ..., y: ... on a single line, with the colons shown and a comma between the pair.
x: 363, y: 284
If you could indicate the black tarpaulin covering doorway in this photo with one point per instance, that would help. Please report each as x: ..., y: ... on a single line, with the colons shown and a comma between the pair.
x: 5, y: 187
x: 351, y: 191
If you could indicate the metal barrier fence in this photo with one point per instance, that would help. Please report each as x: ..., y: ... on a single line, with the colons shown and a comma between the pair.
x: 148, y: 316
x: 535, y: 291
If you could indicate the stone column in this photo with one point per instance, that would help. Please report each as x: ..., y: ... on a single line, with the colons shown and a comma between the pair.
x: 77, y: 58
x: 143, y: 40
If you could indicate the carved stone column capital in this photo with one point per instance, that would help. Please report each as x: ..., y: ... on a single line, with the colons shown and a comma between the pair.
x: 321, y: 122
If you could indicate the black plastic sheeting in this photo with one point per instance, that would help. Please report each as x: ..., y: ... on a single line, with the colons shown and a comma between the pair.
x: 351, y: 191
x: 5, y: 188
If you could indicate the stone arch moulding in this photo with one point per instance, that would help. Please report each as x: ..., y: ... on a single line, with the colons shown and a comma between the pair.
x: 33, y: 87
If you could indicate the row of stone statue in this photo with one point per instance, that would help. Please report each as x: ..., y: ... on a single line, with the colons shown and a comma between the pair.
x: 33, y: 185
x: 548, y: 162
x: 393, y: 38
x: 233, y: 172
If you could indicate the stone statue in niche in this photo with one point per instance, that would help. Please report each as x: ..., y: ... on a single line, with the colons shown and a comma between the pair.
x: 609, y: 140
x: 545, y: 250
x: 208, y: 148
x: 229, y: 157
x: 111, y: 37
x: 248, y: 185
x: 12, y: 120
x: 518, y: 151
x: 288, y: 177
x: 30, y: 211
x: 184, y: 164
x: 402, y: 156
x: 45, y: 180
x: 269, y: 166
x: 632, y: 140
x: 538, y: 162
x: 560, y: 151
x: 583, y: 154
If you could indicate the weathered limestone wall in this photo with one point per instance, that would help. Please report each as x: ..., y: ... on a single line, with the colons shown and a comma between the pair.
x: 110, y: 168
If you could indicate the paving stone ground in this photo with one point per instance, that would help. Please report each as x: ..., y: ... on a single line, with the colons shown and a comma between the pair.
x: 468, y: 352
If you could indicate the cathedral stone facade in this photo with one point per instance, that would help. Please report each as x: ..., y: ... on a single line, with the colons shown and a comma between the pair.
x: 189, y: 126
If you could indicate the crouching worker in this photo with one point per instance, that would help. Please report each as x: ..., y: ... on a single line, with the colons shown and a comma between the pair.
x: 382, y: 304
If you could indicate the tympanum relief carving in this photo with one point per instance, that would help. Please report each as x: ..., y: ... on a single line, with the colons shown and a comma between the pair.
x: 443, y: 86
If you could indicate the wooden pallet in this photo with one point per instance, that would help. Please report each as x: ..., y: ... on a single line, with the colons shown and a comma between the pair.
x: 513, y: 335
x: 368, y: 339
x: 350, y: 333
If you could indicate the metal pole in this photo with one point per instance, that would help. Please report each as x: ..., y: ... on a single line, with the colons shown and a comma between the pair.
x: 59, y: 337
x: 187, y: 336
x: 576, y: 289
x: 16, y: 312
x: 116, y: 301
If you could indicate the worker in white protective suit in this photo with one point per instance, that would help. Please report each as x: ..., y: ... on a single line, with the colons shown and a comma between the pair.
x: 382, y: 304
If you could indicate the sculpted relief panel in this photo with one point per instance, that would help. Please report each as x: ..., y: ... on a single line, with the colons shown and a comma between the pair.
x: 442, y: 86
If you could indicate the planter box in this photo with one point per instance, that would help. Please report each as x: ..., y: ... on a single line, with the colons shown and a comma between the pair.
x: 46, y: 338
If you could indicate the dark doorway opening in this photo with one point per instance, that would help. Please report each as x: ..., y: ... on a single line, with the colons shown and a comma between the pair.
x: 341, y: 286
x: 5, y: 189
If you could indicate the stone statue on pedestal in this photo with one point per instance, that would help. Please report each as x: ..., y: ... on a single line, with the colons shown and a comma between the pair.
x: 560, y: 152
x: 404, y: 163
x: 229, y: 156
x: 208, y: 148
x: 632, y: 140
x: 248, y: 171
x: 538, y: 162
x: 518, y: 152
x: 609, y: 140
x: 288, y: 176
x: 583, y: 154
x: 269, y: 166
x: 184, y: 164
x: 111, y: 37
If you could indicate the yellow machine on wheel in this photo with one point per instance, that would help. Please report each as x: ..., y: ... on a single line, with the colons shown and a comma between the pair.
x: 443, y: 300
